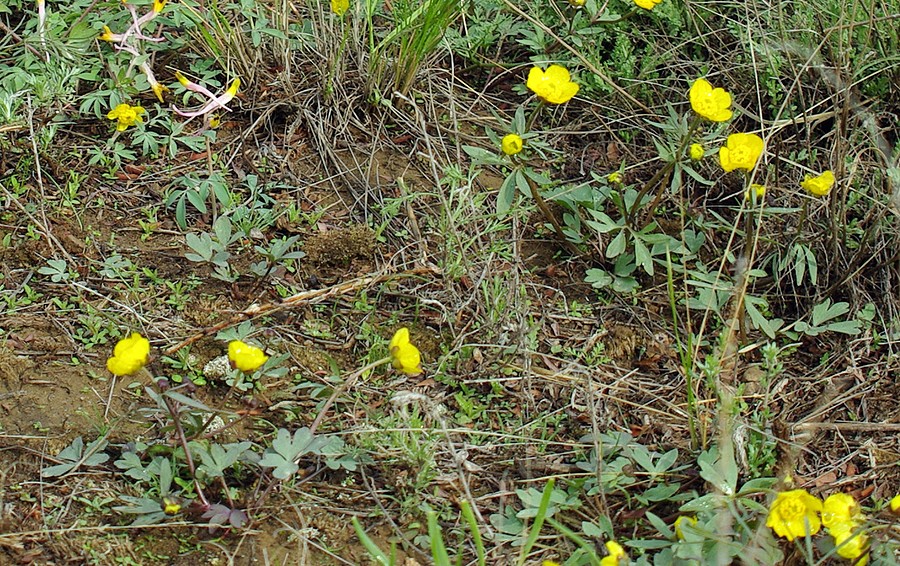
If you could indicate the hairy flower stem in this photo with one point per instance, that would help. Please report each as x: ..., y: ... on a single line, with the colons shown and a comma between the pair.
x: 661, y: 176
x: 182, y: 439
x: 539, y: 200
x: 548, y: 214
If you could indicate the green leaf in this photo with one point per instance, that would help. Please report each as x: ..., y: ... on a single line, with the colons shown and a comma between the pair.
x: 617, y: 246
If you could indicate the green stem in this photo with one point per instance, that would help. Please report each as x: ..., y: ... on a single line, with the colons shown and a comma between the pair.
x: 548, y: 214
x: 665, y: 171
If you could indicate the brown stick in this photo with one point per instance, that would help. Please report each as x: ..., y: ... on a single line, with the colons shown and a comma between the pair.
x: 304, y: 298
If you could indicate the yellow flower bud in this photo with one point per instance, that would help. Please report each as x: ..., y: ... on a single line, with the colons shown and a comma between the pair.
x: 511, y: 144
x: 819, y: 186
x: 245, y: 357
x: 696, y: 152
x: 405, y: 356
x: 129, y: 355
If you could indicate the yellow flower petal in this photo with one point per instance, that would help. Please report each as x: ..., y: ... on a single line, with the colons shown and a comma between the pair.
x: 616, y: 555
x: 794, y: 514
x: 819, y: 186
x: 710, y: 103
x: 682, y: 520
x: 553, y: 85
x: 511, y: 144
x: 340, y: 7
x: 697, y: 152
x: 404, y: 356
x: 129, y: 355
x: 245, y: 357
x: 741, y: 151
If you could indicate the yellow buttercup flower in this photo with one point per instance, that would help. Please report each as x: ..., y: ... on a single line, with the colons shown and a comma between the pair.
x: 158, y: 5
x: 849, y: 541
x: 741, y: 151
x: 682, y: 520
x: 127, y: 115
x: 578, y: 3
x: 794, y: 514
x: 171, y: 506
x: 511, y: 144
x: 615, y: 178
x: 340, y: 7
x: 697, y: 152
x: 711, y: 103
x: 549, y: 563
x: 129, y: 355
x: 404, y: 356
x: 554, y: 85
x: 819, y: 186
x: 755, y: 189
x: 616, y: 555
x: 895, y: 504
x: 245, y: 357
x: 839, y: 508
x: 647, y: 4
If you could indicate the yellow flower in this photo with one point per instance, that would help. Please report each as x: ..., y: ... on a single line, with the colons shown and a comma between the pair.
x: 245, y: 357
x: 711, y: 103
x: 232, y: 91
x: 755, y: 189
x: 340, y: 7
x: 615, y: 178
x: 107, y: 35
x: 819, y: 186
x: 171, y: 506
x: 696, y: 152
x: 679, y: 521
x: 129, y: 355
x: 553, y: 85
x: 549, y: 563
x: 577, y: 3
x: 794, y: 514
x: 616, y: 555
x: 839, y: 508
x: 741, y: 151
x: 849, y: 544
x: 895, y: 504
x: 647, y: 4
x: 511, y: 144
x: 158, y: 5
x: 127, y: 115
x: 404, y: 356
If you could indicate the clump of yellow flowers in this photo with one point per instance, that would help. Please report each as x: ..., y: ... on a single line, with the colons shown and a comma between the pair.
x: 711, y: 103
x: 553, y: 86
x: 741, y: 151
x: 405, y: 356
x: 842, y: 518
x: 129, y: 355
x: 819, y: 186
x: 511, y: 144
x: 795, y: 513
x: 245, y: 357
x: 126, y: 115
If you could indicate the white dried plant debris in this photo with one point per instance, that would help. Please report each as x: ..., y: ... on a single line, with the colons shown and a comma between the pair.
x: 217, y: 368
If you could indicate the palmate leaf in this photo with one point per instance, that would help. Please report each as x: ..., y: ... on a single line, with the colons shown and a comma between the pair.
x: 285, y: 450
